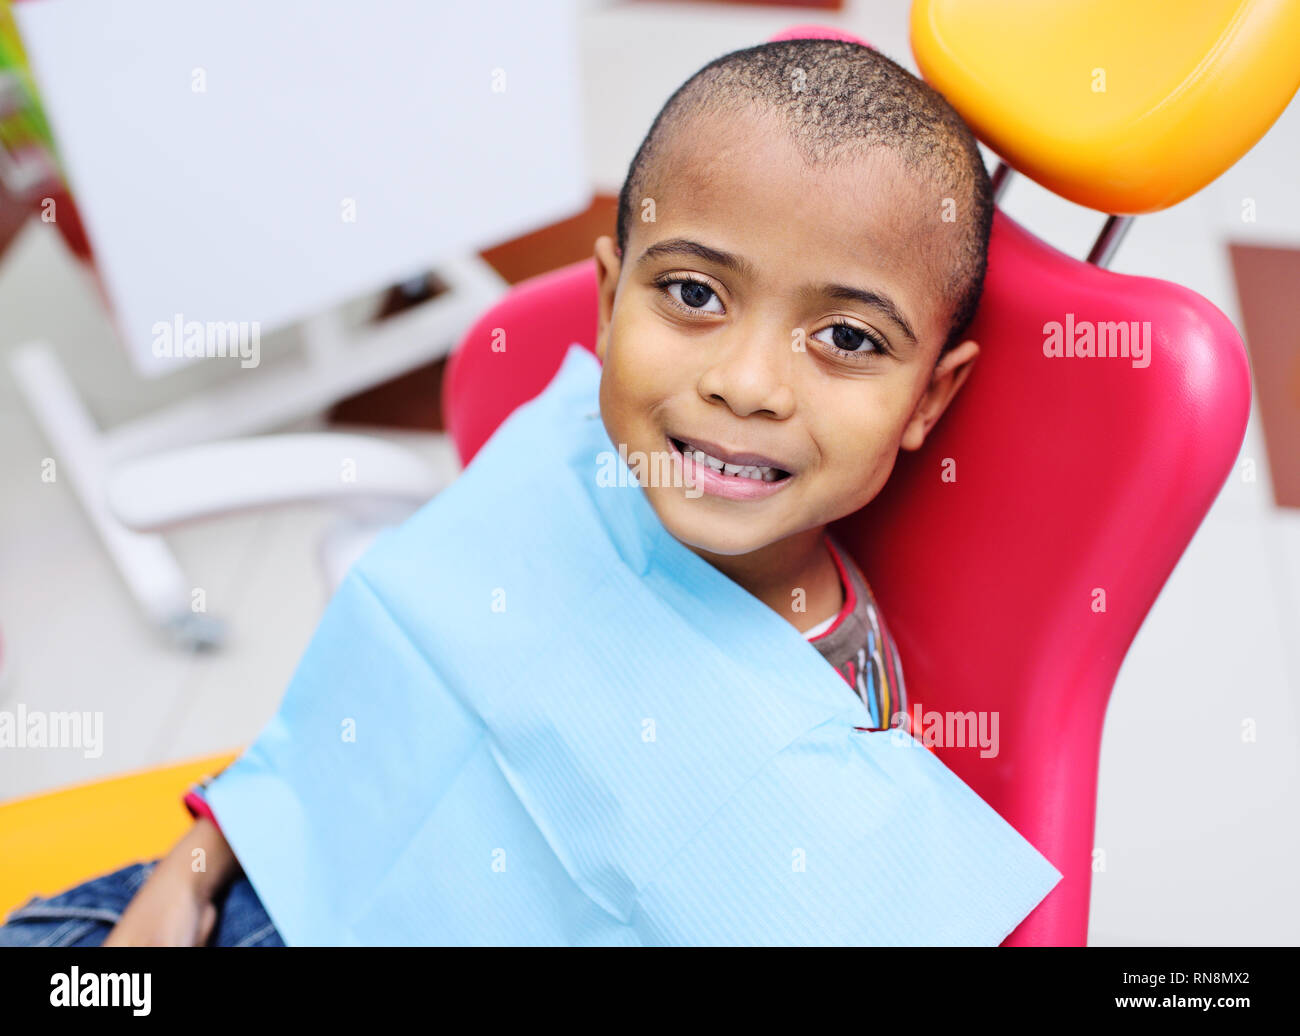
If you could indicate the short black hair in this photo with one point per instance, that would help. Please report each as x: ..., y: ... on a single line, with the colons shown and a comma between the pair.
x: 839, y: 97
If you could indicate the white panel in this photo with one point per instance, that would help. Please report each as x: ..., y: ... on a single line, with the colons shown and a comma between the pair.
x: 227, y: 203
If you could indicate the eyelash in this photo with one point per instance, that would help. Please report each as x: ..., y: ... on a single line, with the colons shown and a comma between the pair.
x: 882, y: 347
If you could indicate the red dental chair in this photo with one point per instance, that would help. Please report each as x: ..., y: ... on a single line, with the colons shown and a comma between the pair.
x: 1072, y: 474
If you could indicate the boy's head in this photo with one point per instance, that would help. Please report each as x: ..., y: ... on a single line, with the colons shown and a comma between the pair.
x: 801, y: 244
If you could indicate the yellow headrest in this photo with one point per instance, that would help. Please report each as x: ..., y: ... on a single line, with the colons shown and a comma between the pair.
x: 1125, y: 106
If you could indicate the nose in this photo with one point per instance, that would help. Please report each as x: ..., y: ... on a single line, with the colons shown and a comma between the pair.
x: 751, y: 374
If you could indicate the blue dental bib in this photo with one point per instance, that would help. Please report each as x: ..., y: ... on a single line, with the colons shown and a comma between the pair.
x: 530, y: 716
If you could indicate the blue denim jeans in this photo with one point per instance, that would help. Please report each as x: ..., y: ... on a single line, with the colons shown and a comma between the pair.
x: 84, y: 914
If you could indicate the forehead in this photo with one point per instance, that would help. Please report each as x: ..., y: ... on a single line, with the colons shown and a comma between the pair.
x: 738, y: 182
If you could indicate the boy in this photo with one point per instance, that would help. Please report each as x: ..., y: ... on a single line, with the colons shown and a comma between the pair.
x: 801, y: 244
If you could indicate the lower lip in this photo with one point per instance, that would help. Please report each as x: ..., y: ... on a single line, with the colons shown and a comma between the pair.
x: 732, y: 487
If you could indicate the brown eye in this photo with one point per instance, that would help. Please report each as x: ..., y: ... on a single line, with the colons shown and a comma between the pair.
x: 848, y: 340
x: 695, y: 295
x: 691, y: 294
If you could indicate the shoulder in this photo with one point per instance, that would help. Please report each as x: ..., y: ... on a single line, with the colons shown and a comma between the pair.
x: 868, y: 608
x: 855, y: 582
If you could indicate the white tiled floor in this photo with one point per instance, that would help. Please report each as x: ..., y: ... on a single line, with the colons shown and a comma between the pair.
x: 1201, y: 829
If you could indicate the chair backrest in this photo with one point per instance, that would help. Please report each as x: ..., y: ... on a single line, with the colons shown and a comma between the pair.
x: 1017, y: 553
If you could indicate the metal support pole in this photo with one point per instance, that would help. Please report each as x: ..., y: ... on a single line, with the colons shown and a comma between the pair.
x: 1001, y: 175
x: 1104, y: 248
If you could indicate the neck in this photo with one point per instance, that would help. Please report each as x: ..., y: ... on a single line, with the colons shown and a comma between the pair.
x: 774, y: 573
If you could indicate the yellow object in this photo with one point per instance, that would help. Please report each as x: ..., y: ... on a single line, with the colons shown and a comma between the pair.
x: 1125, y: 106
x: 53, y: 841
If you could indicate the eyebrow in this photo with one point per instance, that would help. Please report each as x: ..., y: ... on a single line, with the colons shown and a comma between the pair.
x: 842, y: 292
x: 684, y: 246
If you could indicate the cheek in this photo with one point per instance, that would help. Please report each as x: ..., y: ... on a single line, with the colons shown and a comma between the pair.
x: 624, y: 389
x: 638, y: 366
x: 861, y: 452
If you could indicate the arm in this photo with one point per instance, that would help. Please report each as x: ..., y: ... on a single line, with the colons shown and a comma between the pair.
x: 175, y: 907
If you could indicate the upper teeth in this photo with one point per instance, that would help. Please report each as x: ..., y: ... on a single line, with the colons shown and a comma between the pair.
x: 742, y: 470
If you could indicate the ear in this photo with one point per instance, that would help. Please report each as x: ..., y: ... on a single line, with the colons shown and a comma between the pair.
x: 608, y: 266
x: 948, y: 376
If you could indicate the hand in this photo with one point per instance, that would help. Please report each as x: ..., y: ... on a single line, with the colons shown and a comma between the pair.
x: 175, y: 906
x: 169, y: 910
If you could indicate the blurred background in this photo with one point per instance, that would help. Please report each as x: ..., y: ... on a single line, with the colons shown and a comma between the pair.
x: 1199, y: 830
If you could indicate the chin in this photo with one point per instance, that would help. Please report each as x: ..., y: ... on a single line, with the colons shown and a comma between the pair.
x: 712, y: 535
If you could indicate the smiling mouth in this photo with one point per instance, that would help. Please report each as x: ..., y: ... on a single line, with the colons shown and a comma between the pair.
x: 754, y: 472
